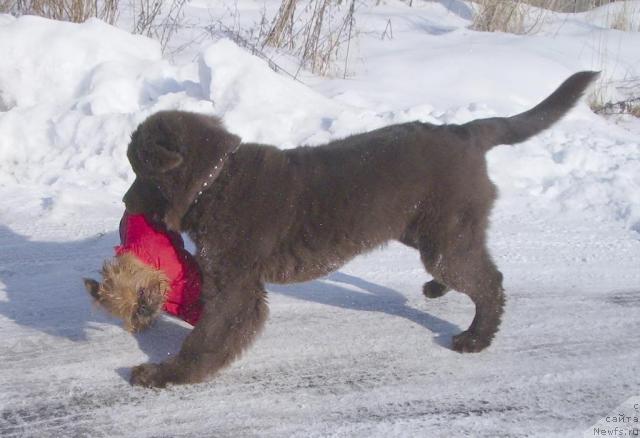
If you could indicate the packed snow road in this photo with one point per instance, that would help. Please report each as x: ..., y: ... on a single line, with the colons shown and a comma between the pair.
x: 359, y: 353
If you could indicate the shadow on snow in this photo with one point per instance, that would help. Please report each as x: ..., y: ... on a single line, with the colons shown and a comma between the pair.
x: 44, y: 292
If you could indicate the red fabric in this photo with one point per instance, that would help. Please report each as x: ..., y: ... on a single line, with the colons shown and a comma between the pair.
x: 164, y: 250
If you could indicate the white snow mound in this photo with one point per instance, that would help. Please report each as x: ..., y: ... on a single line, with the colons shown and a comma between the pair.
x: 51, y: 61
x: 258, y: 103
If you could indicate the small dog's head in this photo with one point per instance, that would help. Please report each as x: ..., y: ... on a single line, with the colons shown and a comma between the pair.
x: 130, y: 290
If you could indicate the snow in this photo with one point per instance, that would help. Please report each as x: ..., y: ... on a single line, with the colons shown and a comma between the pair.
x: 243, y: 88
x: 359, y: 353
x: 102, y: 57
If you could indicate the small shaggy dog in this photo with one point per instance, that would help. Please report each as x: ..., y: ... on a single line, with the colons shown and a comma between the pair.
x: 259, y: 214
x: 151, y: 272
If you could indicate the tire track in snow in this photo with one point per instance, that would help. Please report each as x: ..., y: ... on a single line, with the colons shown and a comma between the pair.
x: 77, y: 409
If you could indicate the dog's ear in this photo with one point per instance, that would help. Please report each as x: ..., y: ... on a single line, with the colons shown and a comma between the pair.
x: 148, y: 145
x: 207, y: 146
x: 163, y: 160
x: 92, y: 287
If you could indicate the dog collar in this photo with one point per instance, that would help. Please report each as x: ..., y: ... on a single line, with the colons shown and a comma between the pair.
x: 215, y: 173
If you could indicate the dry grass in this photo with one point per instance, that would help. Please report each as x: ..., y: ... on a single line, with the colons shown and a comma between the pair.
x: 149, y: 19
x: 499, y: 15
x: 627, y: 101
x: 516, y: 16
x: 148, y: 16
x: 76, y: 11
x: 629, y: 106
x: 623, y: 18
x: 282, y: 27
x: 513, y: 16
x: 319, y: 35
x: 145, y: 14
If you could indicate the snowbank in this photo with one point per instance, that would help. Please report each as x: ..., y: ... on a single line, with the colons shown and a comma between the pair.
x: 258, y: 103
x: 55, y: 62
x: 70, y: 94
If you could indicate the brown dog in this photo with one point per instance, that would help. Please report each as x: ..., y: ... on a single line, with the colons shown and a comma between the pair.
x: 151, y: 272
x: 259, y: 214
x: 131, y: 290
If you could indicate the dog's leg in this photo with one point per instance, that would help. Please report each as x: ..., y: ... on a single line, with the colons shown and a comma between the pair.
x: 462, y: 262
x: 231, y: 320
x: 487, y: 294
x: 431, y: 289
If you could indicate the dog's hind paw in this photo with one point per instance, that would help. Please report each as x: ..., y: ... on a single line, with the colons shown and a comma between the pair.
x: 149, y: 375
x: 433, y: 289
x: 470, y: 342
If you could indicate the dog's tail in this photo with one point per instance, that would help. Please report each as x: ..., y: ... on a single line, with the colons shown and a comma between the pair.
x: 518, y: 128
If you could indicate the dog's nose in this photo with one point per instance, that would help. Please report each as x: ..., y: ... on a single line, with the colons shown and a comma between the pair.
x: 92, y: 287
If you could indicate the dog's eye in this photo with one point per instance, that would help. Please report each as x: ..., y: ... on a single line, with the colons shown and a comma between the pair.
x: 144, y: 310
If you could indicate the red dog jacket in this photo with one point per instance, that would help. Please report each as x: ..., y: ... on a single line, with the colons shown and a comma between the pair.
x: 164, y: 250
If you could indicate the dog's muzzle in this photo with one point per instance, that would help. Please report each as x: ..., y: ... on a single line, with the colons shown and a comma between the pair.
x: 144, y: 198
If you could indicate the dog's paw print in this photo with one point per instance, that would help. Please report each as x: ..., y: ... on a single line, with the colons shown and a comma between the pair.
x: 149, y: 375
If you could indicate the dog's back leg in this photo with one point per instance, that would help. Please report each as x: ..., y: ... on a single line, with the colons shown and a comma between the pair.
x: 459, y: 260
x: 433, y: 288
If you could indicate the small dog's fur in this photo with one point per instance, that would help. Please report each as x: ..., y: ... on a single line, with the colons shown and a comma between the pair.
x: 267, y: 215
x: 131, y: 290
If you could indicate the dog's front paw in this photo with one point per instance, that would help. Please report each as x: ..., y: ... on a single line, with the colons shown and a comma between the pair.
x: 470, y: 342
x: 149, y: 375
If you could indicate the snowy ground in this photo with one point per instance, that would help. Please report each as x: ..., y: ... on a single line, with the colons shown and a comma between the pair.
x: 360, y: 353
